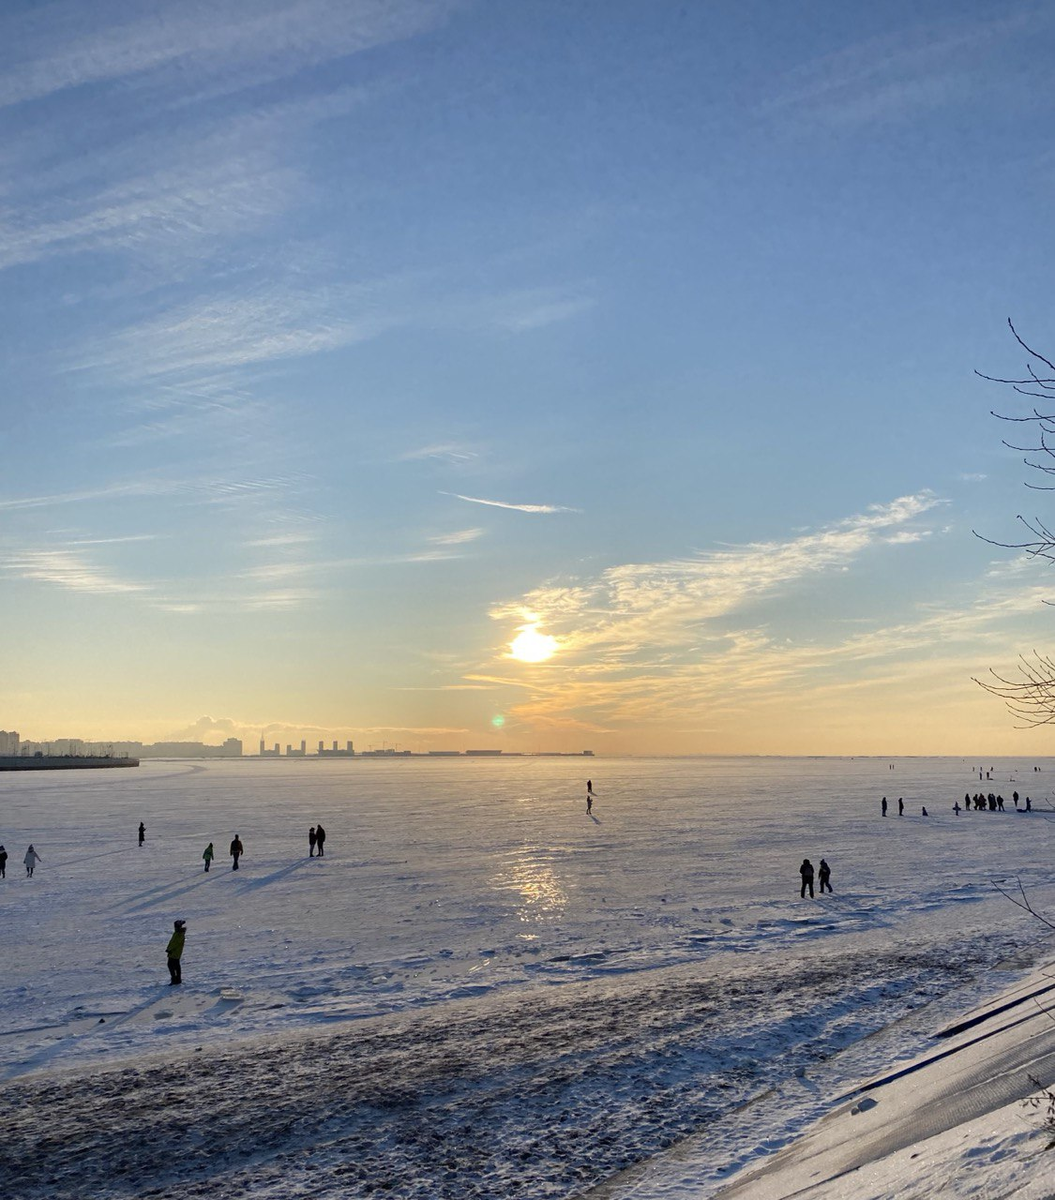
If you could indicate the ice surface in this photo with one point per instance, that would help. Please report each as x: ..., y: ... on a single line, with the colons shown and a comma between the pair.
x: 480, y: 990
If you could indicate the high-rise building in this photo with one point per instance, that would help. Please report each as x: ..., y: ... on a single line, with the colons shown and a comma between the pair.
x: 9, y: 742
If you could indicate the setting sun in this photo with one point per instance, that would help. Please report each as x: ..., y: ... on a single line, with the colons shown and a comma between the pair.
x: 530, y: 646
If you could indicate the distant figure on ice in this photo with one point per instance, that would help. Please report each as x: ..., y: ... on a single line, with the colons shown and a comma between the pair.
x: 175, y: 949
x: 1014, y: 796
x: 589, y: 803
x: 589, y: 785
x: 209, y: 855
x: 1029, y: 807
x: 924, y: 812
x: 806, y: 871
x: 32, y: 858
x: 900, y: 806
x: 824, y: 875
x: 237, y: 850
x: 999, y: 802
x: 3, y: 863
x: 142, y: 833
x: 320, y: 839
x: 956, y: 808
x: 884, y: 806
x: 311, y: 842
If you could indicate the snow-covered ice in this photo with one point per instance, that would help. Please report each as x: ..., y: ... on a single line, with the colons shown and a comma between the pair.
x: 480, y: 990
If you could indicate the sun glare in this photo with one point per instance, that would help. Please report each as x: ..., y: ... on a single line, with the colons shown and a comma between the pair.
x: 530, y: 646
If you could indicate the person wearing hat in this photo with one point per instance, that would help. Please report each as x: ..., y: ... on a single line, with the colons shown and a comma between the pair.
x: 175, y: 949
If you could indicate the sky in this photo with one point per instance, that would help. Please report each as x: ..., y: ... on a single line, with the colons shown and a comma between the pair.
x: 537, y: 376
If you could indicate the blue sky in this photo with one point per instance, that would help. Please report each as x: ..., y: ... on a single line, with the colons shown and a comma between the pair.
x: 344, y: 340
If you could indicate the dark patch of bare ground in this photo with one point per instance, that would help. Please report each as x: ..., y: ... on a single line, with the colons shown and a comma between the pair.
x: 542, y: 1094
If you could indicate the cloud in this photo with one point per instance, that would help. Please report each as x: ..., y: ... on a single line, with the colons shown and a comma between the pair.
x: 67, y: 569
x: 242, y: 42
x: 205, y: 490
x: 897, y: 76
x: 458, y: 538
x: 648, y: 642
x: 527, y: 508
x: 450, y: 452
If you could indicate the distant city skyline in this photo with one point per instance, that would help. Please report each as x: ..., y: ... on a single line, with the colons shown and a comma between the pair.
x: 445, y: 374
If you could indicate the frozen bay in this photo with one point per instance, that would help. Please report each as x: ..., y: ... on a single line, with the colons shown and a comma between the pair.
x: 479, y: 980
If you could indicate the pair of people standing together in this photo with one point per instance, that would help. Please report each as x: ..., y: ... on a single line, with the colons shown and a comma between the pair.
x: 316, y: 841
x: 824, y: 874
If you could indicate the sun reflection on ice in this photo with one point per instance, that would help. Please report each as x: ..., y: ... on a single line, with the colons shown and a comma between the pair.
x: 528, y: 874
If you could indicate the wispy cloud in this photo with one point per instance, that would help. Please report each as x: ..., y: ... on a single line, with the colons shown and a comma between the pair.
x: 459, y: 538
x: 68, y: 569
x: 898, y: 75
x: 645, y: 642
x: 526, y: 508
x: 243, y: 42
x: 205, y: 490
x: 451, y: 452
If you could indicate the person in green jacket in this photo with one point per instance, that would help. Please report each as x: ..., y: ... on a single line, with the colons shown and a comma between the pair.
x: 208, y: 855
x: 175, y: 949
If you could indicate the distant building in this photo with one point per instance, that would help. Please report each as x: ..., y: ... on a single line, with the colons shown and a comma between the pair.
x: 232, y: 748
x: 9, y: 742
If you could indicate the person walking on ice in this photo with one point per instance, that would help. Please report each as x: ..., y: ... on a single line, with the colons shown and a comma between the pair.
x: 883, y: 806
x: 174, y: 950
x: 320, y: 839
x: 31, y: 859
x: 900, y: 806
x: 806, y: 871
x: 237, y: 850
x: 142, y: 833
x: 824, y: 875
x: 311, y: 842
x: 3, y: 863
x: 208, y: 855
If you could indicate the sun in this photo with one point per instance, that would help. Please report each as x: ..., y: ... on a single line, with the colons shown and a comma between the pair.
x: 530, y: 646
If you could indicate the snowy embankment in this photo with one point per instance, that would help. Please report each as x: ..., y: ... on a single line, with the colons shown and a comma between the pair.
x: 481, y: 993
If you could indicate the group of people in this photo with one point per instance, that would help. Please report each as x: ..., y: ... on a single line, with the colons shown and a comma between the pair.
x: 30, y: 858
x: 824, y: 876
x: 901, y: 807
x: 980, y: 802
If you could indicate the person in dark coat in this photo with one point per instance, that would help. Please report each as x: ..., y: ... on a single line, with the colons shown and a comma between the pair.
x: 884, y: 806
x: 320, y: 838
x: 806, y: 871
x: 142, y: 833
x: 312, y: 838
x: 208, y: 855
x: 3, y: 863
x: 237, y: 850
x: 824, y: 874
x: 900, y: 806
x: 174, y: 950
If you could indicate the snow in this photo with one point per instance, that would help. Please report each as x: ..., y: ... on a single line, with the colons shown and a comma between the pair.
x: 480, y: 991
